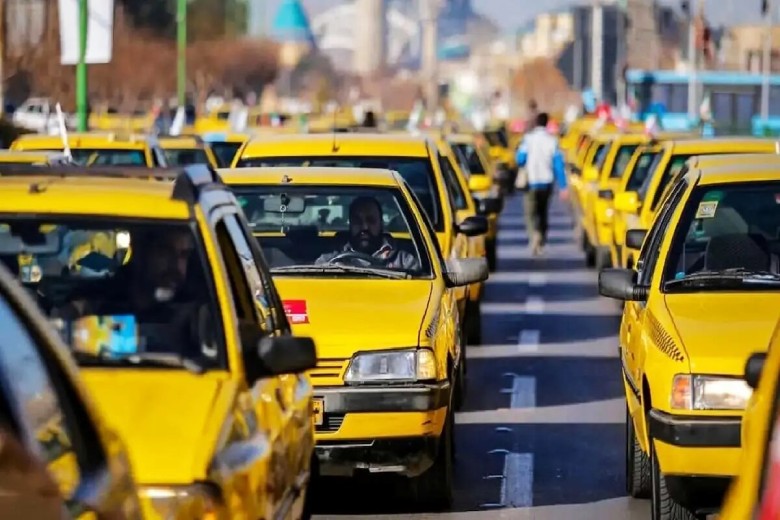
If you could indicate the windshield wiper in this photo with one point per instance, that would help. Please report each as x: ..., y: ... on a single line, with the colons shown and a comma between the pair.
x: 333, y: 268
x: 148, y: 358
x: 726, y: 278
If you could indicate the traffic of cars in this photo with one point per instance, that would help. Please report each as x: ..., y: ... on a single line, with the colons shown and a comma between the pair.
x: 205, y: 343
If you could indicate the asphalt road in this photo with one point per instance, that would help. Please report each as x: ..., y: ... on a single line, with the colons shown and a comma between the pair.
x: 542, y: 433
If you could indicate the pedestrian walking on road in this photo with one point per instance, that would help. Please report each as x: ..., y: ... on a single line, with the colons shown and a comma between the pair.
x: 543, y: 161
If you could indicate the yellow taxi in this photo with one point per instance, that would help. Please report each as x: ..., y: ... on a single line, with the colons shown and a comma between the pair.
x: 14, y: 157
x: 576, y: 130
x: 56, y: 453
x: 595, y: 191
x: 479, y: 172
x: 99, y: 148
x: 414, y: 157
x: 396, y: 119
x: 502, y: 154
x: 183, y: 343
x: 704, y: 298
x: 583, y: 170
x: 184, y: 150
x: 636, y: 209
x: 217, y: 120
x: 225, y: 145
x: 360, y: 269
x: 111, y: 120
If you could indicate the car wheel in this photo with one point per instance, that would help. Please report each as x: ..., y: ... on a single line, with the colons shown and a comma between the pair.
x: 474, y: 320
x: 662, y: 505
x: 433, y: 489
x: 491, y: 255
x: 638, y: 479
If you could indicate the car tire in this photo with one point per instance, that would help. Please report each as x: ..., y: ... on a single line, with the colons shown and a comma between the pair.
x: 474, y: 322
x: 638, y: 478
x: 662, y: 505
x: 491, y: 255
x: 432, y: 490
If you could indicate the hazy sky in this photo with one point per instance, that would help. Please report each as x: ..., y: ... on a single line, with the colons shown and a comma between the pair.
x: 510, y: 14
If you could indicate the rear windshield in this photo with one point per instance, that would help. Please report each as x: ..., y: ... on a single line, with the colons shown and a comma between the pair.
x: 416, y: 171
x: 225, y: 153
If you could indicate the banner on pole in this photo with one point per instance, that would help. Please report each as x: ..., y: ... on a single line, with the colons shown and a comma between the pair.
x: 100, y: 31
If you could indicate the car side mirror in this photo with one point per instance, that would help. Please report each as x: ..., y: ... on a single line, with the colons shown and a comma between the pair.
x: 590, y: 174
x: 753, y: 369
x: 621, y: 284
x: 465, y: 271
x: 473, y: 226
x: 635, y: 238
x: 628, y: 202
x: 489, y: 205
x: 607, y: 194
x: 278, y: 355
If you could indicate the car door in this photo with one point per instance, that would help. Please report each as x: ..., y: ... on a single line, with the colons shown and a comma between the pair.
x: 93, y: 477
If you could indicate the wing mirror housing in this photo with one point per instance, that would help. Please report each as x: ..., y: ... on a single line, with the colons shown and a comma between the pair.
x: 279, y: 355
x: 489, y: 205
x: 628, y: 202
x: 590, y: 174
x: 753, y: 369
x: 473, y: 226
x: 607, y: 194
x: 465, y: 271
x: 635, y: 238
x: 621, y: 284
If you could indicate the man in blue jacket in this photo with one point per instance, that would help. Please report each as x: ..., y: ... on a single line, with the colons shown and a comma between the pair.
x: 543, y: 161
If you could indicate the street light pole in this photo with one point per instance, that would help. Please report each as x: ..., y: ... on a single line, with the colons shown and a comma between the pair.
x: 692, y: 61
x: 766, y: 60
x: 181, y: 33
x: 81, y: 68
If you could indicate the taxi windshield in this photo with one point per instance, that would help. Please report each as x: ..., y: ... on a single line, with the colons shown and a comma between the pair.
x: 468, y: 157
x: 416, y: 171
x: 727, y: 239
x: 225, y: 152
x: 118, y: 290
x: 328, y: 230
x: 186, y: 156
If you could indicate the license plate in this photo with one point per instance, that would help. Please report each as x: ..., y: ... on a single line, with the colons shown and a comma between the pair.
x: 317, y: 411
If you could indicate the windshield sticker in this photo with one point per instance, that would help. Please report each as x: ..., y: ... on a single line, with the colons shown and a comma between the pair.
x: 106, y: 335
x: 706, y: 209
x: 296, y: 311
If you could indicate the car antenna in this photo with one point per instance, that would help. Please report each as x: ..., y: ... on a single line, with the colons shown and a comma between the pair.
x: 63, y: 133
x: 335, y: 147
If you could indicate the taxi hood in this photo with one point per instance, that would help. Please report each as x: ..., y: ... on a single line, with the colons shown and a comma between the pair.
x: 347, y: 315
x: 721, y: 330
x: 165, y: 418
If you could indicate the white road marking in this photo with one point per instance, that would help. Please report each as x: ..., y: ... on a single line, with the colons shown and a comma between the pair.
x: 534, y: 305
x: 522, y: 393
x: 537, y: 279
x: 518, y: 484
x: 528, y: 340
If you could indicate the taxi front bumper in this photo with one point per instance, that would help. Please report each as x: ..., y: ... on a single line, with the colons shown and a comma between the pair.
x: 380, y: 429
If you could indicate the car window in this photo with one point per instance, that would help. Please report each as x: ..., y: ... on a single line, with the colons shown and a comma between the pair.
x: 108, y: 157
x: 651, y: 249
x: 121, y: 289
x: 601, y: 155
x: 184, y: 157
x: 225, y: 152
x: 453, y: 185
x: 416, y: 171
x: 725, y: 229
x: 622, y: 159
x: 469, y: 158
x: 334, y: 228
x: 673, y: 167
x: 645, y: 164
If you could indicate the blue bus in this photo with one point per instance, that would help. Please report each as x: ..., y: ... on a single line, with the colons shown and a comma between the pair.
x: 735, y: 100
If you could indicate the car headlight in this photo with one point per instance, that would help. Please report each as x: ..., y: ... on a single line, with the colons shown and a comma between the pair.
x: 202, y: 500
x: 392, y: 366
x: 695, y: 392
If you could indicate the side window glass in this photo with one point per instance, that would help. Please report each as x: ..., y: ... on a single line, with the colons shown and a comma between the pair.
x: 37, y: 398
x: 651, y: 250
x: 453, y: 186
x: 439, y: 257
x: 242, y: 300
x: 251, y: 275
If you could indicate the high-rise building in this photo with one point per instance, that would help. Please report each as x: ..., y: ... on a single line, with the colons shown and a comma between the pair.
x: 370, y: 36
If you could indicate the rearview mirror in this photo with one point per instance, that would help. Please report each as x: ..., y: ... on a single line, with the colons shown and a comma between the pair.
x: 753, y: 369
x: 620, y: 284
x: 473, y: 226
x: 628, y: 202
x: 606, y: 194
x: 635, y: 238
x: 284, y: 204
x: 489, y: 205
x: 278, y: 355
x: 28, y: 239
x: 465, y: 271
x: 590, y: 174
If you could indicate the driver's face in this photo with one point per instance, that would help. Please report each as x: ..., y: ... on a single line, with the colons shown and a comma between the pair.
x: 167, y: 261
x: 365, y: 226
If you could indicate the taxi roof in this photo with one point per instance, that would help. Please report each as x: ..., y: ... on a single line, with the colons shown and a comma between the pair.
x: 724, y: 144
x: 180, y: 141
x: 82, y: 140
x: 311, y: 175
x: 705, y: 161
x: 31, y: 156
x: 730, y: 173
x: 346, y: 144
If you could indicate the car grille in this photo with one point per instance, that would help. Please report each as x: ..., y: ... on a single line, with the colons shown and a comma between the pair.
x: 331, y: 423
x: 329, y: 371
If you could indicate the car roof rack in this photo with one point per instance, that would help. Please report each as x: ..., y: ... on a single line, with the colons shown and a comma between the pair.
x: 188, y: 181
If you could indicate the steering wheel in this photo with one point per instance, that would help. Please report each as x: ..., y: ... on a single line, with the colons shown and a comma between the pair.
x: 356, y: 259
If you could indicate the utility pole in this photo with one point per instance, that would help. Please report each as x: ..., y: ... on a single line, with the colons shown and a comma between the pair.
x: 692, y: 60
x: 597, y: 50
x: 81, y: 69
x: 181, y: 38
x: 429, y: 16
x: 768, y: 12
